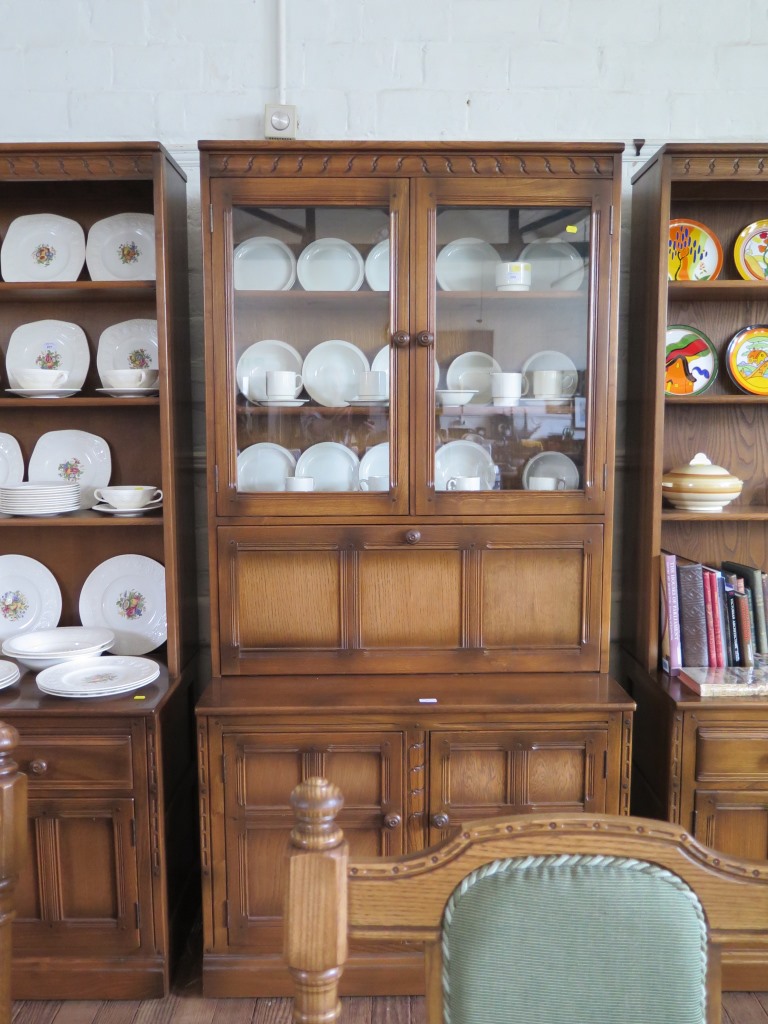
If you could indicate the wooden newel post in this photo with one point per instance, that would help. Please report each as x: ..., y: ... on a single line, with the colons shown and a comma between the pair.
x: 316, y: 907
x: 13, y: 841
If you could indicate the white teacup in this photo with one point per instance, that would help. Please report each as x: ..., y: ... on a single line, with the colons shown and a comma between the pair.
x: 129, y: 378
x: 283, y: 385
x: 553, y: 383
x: 34, y: 378
x: 506, y: 388
x: 513, y: 277
x: 463, y: 483
x: 546, y: 483
x: 374, y: 483
x: 128, y: 495
x: 372, y: 384
x: 299, y: 483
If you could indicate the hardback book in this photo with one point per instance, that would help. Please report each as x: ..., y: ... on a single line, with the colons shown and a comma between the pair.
x: 753, y: 581
x: 671, y: 653
x: 733, y: 631
x: 714, y: 619
x: 726, y: 682
x: 744, y: 630
x: 693, y: 623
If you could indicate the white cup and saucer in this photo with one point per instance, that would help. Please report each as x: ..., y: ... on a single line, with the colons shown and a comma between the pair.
x: 506, y: 388
x: 128, y: 499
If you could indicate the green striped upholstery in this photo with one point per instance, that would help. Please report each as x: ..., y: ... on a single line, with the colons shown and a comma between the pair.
x: 574, y: 940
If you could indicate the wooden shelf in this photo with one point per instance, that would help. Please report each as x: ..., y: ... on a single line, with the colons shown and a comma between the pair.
x: 59, y: 291
x: 716, y: 291
x: 751, y: 513
x: 707, y: 399
x: 78, y: 402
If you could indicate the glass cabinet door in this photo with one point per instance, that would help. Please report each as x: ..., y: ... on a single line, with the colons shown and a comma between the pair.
x: 509, y: 355
x: 315, y: 376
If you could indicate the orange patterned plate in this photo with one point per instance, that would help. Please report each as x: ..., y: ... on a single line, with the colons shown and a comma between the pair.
x: 691, y: 361
x: 750, y: 252
x: 747, y: 359
x: 694, y: 252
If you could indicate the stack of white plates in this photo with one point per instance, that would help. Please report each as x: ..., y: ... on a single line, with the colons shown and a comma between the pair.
x: 98, y: 677
x: 47, y: 647
x: 40, y: 499
x: 9, y: 674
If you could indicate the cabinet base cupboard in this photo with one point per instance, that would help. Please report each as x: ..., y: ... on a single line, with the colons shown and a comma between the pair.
x: 410, y: 373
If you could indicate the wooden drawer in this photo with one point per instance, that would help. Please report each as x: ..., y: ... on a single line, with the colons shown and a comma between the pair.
x: 731, y: 753
x: 77, y: 762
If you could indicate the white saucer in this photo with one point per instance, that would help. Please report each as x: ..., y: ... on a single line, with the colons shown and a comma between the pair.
x: 112, y: 511
x: 377, y: 400
x: 284, y: 403
x: 129, y: 392
x: 42, y: 392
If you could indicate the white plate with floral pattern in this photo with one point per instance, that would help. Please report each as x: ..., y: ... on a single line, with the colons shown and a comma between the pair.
x: 30, y: 597
x: 106, y: 676
x: 74, y: 456
x: 122, y: 248
x: 49, y: 345
x: 42, y: 247
x: 128, y: 345
x: 11, y: 461
x: 126, y: 594
x: 10, y: 673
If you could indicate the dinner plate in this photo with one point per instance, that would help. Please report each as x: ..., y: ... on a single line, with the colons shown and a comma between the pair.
x: 122, y: 248
x: 690, y: 361
x: 11, y: 461
x: 126, y: 594
x: 555, y: 264
x: 10, y: 673
x: 550, y: 359
x: 553, y: 464
x: 29, y: 596
x: 42, y: 247
x: 381, y: 362
x: 377, y: 267
x: 72, y: 456
x: 694, y: 252
x: 49, y: 345
x: 128, y: 345
x: 746, y: 359
x: 260, y: 357
x: 331, y: 371
x: 471, y: 371
x: 332, y: 466
x: 464, y: 458
x: 108, y: 676
x: 330, y: 265
x: 750, y: 251
x: 264, y: 467
x: 263, y: 264
x: 467, y: 264
x: 375, y: 462
x: 130, y: 512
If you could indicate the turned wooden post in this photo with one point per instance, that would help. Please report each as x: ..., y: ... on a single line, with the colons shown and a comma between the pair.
x: 13, y: 840
x: 316, y: 906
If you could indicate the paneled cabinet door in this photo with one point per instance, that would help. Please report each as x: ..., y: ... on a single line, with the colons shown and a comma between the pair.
x: 484, y: 774
x: 732, y: 822
x: 78, y: 887
x: 261, y: 769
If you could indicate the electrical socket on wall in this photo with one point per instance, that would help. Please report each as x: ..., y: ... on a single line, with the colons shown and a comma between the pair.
x: 280, y: 121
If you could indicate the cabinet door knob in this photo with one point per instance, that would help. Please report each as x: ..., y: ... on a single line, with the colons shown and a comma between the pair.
x: 413, y: 536
x: 441, y: 820
x: 392, y: 821
x: 425, y: 338
x: 400, y: 339
x: 38, y: 766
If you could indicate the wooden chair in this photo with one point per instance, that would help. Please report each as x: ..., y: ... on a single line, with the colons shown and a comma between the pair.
x: 13, y: 841
x: 578, y: 918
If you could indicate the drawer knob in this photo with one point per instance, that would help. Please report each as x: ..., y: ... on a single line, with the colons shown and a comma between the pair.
x: 441, y: 820
x: 392, y: 821
x: 38, y: 766
x: 400, y: 339
x: 413, y: 536
x: 425, y: 338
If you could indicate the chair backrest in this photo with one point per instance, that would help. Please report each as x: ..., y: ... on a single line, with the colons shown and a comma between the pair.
x: 528, y: 918
x: 13, y: 841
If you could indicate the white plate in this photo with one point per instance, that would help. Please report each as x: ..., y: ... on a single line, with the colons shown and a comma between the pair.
x: 375, y: 462
x: 381, y: 362
x: 42, y: 247
x: 260, y: 357
x: 29, y: 596
x: 41, y: 392
x: 377, y: 267
x: 554, y: 264
x: 112, y: 511
x: 127, y: 595
x: 72, y: 456
x: 471, y: 371
x: 264, y: 467
x: 464, y: 458
x: 330, y: 265
x: 122, y: 248
x: 9, y: 674
x: 551, y: 359
x: 332, y: 466
x: 262, y: 263
x: 384, y: 400
x: 552, y: 464
x: 467, y: 265
x: 331, y: 371
x: 49, y: 344
x: 11, y: 461
x: 107, y: 676
x: 128, y: 345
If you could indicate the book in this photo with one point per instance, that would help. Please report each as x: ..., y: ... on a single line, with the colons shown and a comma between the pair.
x: 726, y: 682
x: 714, y: 612
x: 743, y: 629
x: 693, y: 624
x: 671, y: 653
x: 709, y: 617
x: 733, y: 632
x: 753, y: 581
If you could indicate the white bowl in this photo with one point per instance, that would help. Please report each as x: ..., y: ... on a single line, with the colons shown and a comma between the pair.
x: 46, y: 647
x: 455, y: 397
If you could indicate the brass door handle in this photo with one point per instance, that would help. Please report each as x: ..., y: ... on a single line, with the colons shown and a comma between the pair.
x: 413, y: 537
x: 441, y: 820
x: 425, y: 338
x: 392, y: 821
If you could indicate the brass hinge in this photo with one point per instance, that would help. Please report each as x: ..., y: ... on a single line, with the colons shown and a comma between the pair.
x: 216, y: 479
x: 605, y: 476
x: 210, y: 217
x: 610, y: 222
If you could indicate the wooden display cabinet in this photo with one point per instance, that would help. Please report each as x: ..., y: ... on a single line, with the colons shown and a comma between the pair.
x: 109, y: 882
x: 335, y: 609
x: 699, y: 762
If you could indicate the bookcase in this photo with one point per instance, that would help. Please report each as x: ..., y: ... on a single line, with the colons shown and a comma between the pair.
x: 702, y: 762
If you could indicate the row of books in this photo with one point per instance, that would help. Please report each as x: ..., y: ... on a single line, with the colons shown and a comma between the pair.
x: 711, y: 617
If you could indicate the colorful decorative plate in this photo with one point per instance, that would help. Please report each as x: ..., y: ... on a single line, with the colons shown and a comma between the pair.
x: 694, y: 253
x: 746, y: 359
x: 691, y: 361
x: 751, y: 251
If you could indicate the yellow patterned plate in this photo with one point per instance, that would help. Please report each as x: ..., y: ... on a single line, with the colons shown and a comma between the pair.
x: 694, y: 252
x: 747, y: 359
x: 751, y: 251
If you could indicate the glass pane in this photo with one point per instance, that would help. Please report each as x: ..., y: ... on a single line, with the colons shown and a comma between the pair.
x: 311, y: 335
x: 511, y: 347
